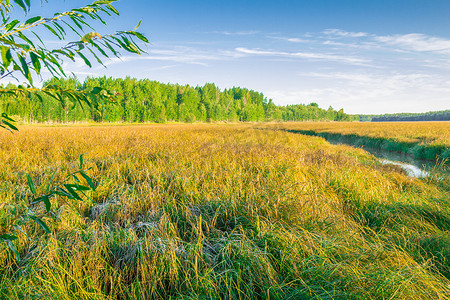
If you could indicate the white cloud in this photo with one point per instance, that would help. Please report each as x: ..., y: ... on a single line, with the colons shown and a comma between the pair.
x: 369, y: 92
x: 238, y: 33
x: 417, y: 42
x: 342, y: 33
x: 290, y: 39
x: 304, y: 55
x: 177, y: 54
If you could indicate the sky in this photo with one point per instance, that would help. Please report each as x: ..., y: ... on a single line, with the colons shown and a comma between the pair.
x: 366, y: 56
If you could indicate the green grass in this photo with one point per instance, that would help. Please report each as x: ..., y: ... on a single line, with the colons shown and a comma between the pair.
x: 422, y: 140
x: 222, y: 212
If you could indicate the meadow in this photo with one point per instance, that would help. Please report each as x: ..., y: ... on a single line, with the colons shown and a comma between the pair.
x: 424, y: 140
x: 221, y: 211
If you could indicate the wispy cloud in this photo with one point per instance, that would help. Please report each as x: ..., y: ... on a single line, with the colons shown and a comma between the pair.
x: 304, y: 55
x: 290, y: 39
x: 417, y: 42
x: 238, y: 33
x: 178, y: 54
x: 368, y: 92
x: 343, y: 33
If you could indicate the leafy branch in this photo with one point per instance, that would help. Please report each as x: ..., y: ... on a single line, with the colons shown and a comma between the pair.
x: 74, y: 188
x: 22, y: 50
x: 20, y: 53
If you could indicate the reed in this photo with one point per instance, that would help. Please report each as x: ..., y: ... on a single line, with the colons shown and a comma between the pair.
x: 424, y: 140
x: 221, y: 212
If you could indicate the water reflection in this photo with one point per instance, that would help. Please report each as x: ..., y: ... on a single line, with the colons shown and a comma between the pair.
x: 414, y: 167
x: 411, y: 170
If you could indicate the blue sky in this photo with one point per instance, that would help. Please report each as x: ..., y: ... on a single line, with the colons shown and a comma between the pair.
x: 366, y: 56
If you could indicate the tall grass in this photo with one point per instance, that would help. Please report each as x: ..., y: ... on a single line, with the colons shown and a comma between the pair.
x: 425, y: 140
x: 222, y: 212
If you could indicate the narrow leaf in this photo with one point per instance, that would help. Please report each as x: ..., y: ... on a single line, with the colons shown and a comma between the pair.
x: 5, y: 116
x: 36, y: 63
x: 31, y: 184
x: 40, y: 223
x: 86, y: 61
x: 10, y: 26
x: 137, y: 26
x: 10, y: 125
x: 72, y: 191
x: 6, y: 56
x: 88, y: 180
x: 13, y: 249
x: 21, y: 4
x: 33, y: 20
x: 7, y: 237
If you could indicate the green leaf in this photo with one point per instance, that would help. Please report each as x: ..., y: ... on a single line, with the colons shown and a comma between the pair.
x: 16, y: 67
x: 139, y: 36
x: 40, y: 223
x: 88, y: 180
x: 5, y: 116
x: 36, y: 63
x: 21, y: 4
x: 86, y: 61
x: 6, y: 56
x: 13, y: 249
x: 25, y: 38
x: 111, y: 48
x: 71, y: 190
x: 113, y: 9
x: 7, y: 237
x: 31, y: 184
x: 99, y: 49
x: 76, y: 22
x: 45, y: 199
x: 96, y: 90
x: 81, y: 161
x: 137, y: 26
x: 62, y: 192
x: 60, y: 29
x: 79, y: 187
x: 33, y: 20
x: 25, y: 69
x: 10, y: 26
x: 37, y: 36
x: 10, y: 125
x: 53, y: 31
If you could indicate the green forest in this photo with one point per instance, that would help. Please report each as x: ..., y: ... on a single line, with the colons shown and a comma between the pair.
x: 152, y: 101
x: 443, y: 115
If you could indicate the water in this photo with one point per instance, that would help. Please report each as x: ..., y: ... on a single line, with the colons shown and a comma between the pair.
x: 414, y: 167
x: 411, y: 170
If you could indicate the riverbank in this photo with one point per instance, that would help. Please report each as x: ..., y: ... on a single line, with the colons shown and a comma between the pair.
x: 422, y: 140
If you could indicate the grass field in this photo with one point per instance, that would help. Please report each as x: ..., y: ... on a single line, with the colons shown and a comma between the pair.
x: 429, y: 140
x: 221, y: 212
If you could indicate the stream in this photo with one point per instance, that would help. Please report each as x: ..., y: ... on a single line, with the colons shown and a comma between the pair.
x: 414, y: 167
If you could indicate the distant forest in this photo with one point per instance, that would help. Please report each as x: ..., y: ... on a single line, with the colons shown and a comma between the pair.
x: 151, y: 101
x: 407, y: 117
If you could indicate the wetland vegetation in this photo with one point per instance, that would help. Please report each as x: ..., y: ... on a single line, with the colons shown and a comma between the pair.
x: 220, y: 211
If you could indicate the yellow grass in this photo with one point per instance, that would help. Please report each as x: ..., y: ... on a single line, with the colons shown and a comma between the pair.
x: 422, y: 139
x: 221, y: 212
x: 416, y: 132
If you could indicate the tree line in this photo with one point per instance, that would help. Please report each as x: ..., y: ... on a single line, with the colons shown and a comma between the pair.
x: 408, y: 117
x: 152, y: 101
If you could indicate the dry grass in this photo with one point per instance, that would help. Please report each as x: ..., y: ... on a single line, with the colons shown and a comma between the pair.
x: 222, y: 211
x: 422, y: 139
